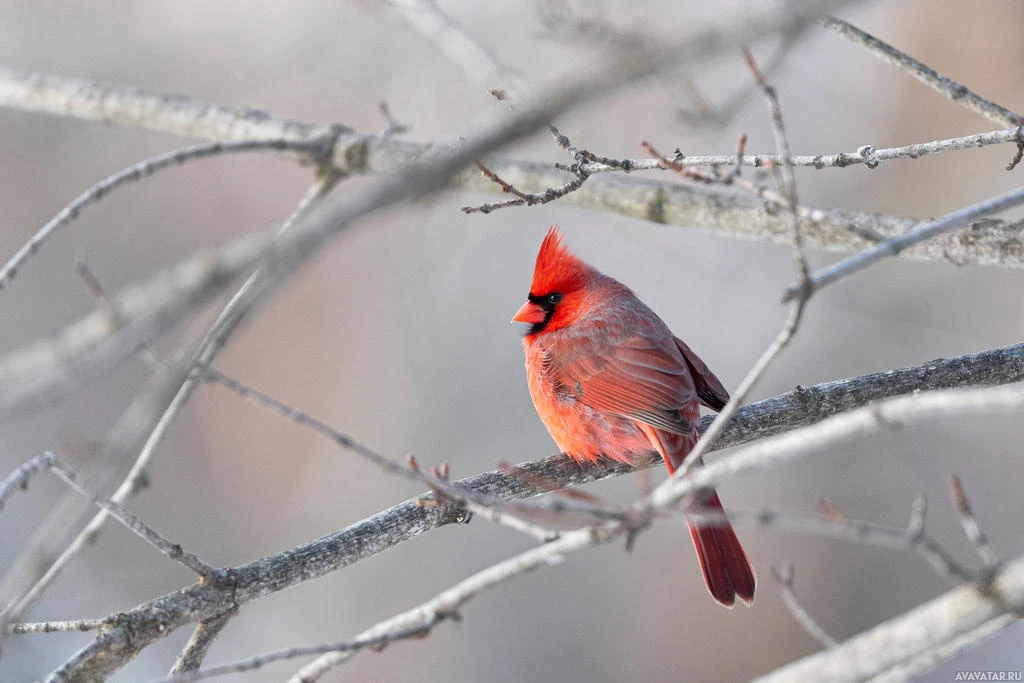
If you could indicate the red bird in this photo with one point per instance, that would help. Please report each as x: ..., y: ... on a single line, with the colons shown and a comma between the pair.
x: 609, y: 379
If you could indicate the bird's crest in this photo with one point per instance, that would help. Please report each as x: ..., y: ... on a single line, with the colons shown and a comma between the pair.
x: 558, y: 269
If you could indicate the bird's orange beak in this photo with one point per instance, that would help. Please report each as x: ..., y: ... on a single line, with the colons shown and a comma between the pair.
x: 529, y: 313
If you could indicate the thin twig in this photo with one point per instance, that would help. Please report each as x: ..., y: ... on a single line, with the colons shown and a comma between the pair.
x: 492, y: 508
x: 377, y: 643
x: 172, y: 550
x: 1015, y: 161
x: 446, y: 604
x: 134, y: 173
x: 975, y: 534
x: 58, y: 626
x: 106, y: 306
x: 787, y: 183
x: 786, y: 589
x: 867, y: 155
x: 947, y: 87
x: 19, y: 478
x: 394, y: 127
x: 893, y: 246
x: 523, y: 198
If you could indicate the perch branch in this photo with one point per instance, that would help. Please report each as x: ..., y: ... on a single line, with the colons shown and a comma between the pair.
x: 407, y: 520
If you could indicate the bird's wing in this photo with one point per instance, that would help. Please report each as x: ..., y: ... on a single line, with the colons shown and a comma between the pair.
x: 709, y: 389
x: 636, y: 377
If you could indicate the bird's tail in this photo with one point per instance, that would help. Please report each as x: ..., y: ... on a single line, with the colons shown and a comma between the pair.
x: 727, y: 571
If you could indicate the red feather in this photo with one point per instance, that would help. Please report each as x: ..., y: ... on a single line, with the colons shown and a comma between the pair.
x: 610, y: 380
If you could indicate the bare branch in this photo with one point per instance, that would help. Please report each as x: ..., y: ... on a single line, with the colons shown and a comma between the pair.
x: 446, y: 605
x: 804, y: 405
x: 894, y: 245
x: 48, y: 369
x: 785, y: 580
x: 19, y: 478
x: 912, y: 538
x: 104, y: 642
x: 419, y: 621
x: 917, y: 640
x: 394, y: 127
x: 253, y: 663
x: 479, y: 63
x: 135, y: 173
x: 1015, y: 161
x: 867, y: 155
x: 191, y: 658
x: 58, y: 626
x: 842, y: 428
x: 141, y: 529
x: 787, y: 183
x: 492, y: 508
x: 523, y: 199
x: 933, y: 79
x: 652, y: 200
x: 22, y: 584
x: 975, y: 534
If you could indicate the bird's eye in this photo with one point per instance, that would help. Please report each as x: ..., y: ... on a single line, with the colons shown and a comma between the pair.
x: 554, y: 298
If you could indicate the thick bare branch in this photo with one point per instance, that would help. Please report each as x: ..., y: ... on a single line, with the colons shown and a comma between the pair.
x: 916, y: 641
x: 707, y: 208
x: 839, y: 429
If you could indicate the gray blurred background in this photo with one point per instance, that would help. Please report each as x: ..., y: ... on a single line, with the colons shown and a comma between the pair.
x: 399, y: 334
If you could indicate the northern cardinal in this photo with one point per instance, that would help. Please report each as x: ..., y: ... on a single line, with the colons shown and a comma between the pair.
x: 609, y: 379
